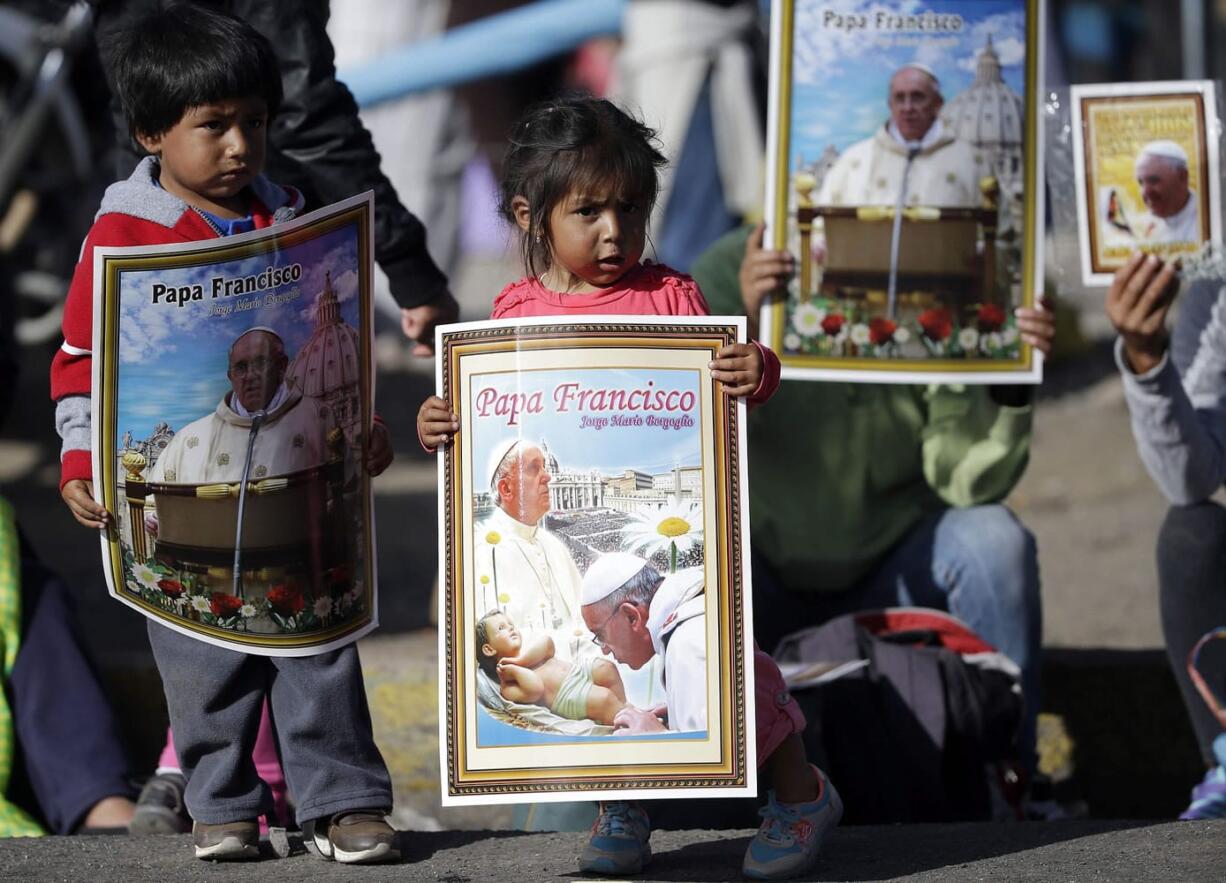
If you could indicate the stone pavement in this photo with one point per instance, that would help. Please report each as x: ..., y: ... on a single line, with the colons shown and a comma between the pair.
x: 1065, y: 851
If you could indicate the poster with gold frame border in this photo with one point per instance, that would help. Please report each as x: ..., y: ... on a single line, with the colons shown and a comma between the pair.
x: 278, y: 320
x: 919, y: 284
x: 583, y: 443
x: 1112, y: 123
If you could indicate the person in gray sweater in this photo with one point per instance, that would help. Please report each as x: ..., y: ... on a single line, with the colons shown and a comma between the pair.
x: 1175, y: 386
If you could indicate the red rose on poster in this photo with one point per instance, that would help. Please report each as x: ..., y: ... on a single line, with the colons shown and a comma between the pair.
x: 833, y: 324
x: 881, y: 330
x: 937, y: 323
x: 171, y: 588
x: 224, y: 605
x: 285, y: 600
x: 991, y: 318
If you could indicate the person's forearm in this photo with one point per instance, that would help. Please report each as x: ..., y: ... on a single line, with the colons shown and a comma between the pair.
x: 534, y: 652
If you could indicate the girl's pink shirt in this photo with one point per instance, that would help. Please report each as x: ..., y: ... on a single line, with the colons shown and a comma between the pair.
x: 647, y: 290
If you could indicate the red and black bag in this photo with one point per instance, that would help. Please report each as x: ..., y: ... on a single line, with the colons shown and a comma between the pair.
x: 926, y: 731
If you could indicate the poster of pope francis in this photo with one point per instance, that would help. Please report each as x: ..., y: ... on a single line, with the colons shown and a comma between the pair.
x: 1145, y: 162
x: 233, y: 432
x: 903, y: 175
x: 593, y: 595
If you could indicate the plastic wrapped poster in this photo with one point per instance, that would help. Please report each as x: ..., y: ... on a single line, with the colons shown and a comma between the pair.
x: 1146, y: 172
x: 232, y: 411
x: 905, y: 176
x: 595, y: 622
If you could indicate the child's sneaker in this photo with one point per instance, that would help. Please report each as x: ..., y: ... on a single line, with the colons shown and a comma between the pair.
x: 356, y: 837
x: 159, y: 808
x: 791, y: 834
x: 618, y: 842
x: 228, y: 841
x: 1209, y: 797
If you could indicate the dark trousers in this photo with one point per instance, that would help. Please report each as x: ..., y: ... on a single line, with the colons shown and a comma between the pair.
x: 319, y: 713
x: 72, y: 752
x: 1192, y: 587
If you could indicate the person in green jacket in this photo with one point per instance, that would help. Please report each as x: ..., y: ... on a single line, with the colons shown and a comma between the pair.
x: 880, y: 495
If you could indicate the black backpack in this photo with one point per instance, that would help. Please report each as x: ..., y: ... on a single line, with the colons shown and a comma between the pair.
x: 925, y: 731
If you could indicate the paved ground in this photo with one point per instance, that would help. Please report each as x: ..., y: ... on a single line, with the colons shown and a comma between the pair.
x: 1070, y: 851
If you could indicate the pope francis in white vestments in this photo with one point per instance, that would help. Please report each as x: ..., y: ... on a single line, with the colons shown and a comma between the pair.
x: 292, y: 434
x: 522, y: 561
x: 945, y: 171
x: 292, y: 437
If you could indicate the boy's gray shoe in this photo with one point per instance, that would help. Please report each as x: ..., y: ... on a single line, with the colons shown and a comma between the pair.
x: 159, y: 808
x: 228, y: 841
x: 354, y: 837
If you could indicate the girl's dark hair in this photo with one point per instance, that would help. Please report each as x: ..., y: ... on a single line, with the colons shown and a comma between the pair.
x: 181, y: 56
x: 488, y: 664
x: 575, y: 142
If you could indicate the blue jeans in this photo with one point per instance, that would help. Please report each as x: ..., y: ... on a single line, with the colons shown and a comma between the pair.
x: 978, y: 563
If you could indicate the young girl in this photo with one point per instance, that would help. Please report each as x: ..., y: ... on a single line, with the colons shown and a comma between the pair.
x: 579, y: 181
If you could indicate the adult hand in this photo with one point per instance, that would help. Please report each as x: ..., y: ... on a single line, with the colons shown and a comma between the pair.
x: 738, y: 367
x: 1137, y: 303
x: 1037, y: 325
x: 380, y: 454
x: 763, y: 271
x: 631, y: 721
x: 418, y: 323
x: 78, y: 494
x: 436, y: 424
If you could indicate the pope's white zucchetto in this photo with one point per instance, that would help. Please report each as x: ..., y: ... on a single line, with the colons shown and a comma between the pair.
x: 923, y: 69
x: 1168, y: 150
x: 608, y: 574
x: 500, y: 452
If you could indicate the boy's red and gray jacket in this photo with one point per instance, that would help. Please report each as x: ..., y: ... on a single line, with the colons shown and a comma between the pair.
x: 134, y: 212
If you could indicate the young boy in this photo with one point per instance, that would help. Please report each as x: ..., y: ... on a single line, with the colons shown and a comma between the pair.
x: 198, y: 88
x: 530, y: 673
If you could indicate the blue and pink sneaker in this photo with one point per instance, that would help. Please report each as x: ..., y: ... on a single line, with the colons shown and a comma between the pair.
x: 1209, y: 797
x: 618, y: 843
x: 791, y: 834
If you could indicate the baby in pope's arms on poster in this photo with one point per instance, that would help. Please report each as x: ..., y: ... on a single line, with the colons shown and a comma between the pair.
x: 529, y: 673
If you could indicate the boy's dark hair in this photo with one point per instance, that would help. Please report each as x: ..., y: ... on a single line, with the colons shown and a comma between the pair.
x: 574, y: 142
x: 181, y: 56
x: 489, y: 664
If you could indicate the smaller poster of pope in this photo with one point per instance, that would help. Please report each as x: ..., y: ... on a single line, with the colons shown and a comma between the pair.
x: 231, y: 410
x: 595, y: 614
x: 1145, y: 160
x: 905, y: 177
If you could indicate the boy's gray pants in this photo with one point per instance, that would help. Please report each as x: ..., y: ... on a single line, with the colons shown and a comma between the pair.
x: 320, y: 716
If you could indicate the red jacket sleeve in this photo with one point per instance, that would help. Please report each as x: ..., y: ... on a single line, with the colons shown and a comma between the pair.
x: 72, y: 366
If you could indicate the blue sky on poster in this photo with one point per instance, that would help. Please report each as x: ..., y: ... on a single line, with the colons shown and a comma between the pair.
x: 173, y: 359
x: 611, y: 450
x: 840, y: 76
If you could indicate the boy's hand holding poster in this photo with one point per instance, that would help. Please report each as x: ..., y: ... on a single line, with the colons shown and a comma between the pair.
x: 1145, y: 160
x: 231, y: 414
x: 594, y: 590
x: 905, y: 177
